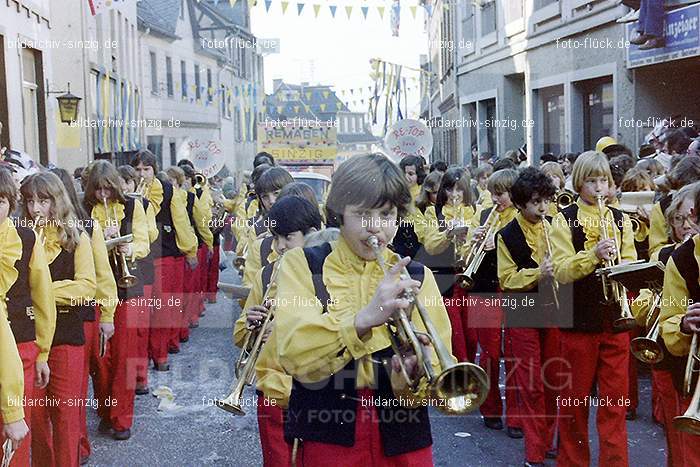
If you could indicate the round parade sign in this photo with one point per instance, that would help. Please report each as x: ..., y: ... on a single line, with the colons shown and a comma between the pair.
x: 207, y: 156
x: 408, y: 138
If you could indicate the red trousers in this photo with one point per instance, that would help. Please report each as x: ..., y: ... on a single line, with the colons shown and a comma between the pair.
x: 602, y: 359
x: 142, y: 332
x: 98, y: 369
x: 167, y: 290
x: 464, y: 340
x: 535, y: 360
x: 633, y: 378
x: 275, y: 449
x: 180, y: 329
x: 213, y: 275
x: 485, y: 330
x: 367, y: 451
x: 657, y: 409
x: 124, y: 360
x: 28, y: 352
x: 56, y: 414
x: 682, y: 447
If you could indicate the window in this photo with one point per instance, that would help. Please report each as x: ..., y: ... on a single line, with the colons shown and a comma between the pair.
x: 468, y: 33
x: 183, y: 77
x: 512, y: 10
x: 210, y: 86
x: 446, y: 35
x: 154, y: 74
x: 222, y: 104
x: 488, y: 18
x: 155, y: 145
x: 30, y: 103
x: 197, y: 83
x: 552, y: 100
x: 490, y: 107
x: 598, y: 107
x: 173, y: 152
x: 169, y: 76
x: 543, y: 3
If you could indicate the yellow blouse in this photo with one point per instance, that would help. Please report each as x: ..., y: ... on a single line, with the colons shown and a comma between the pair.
x: 184, y: 233
x: 674, y: 305
x: 313, y: 345
x: 11, y: 372
x: 154, y: 194
x: 658, y: 229
x: 253, y: 262
x: 484, y: 201
x: 509, y: 277
x: 570, y: 266
x: 435, y: 238
x: 151, y: 224
x: 202, y: 218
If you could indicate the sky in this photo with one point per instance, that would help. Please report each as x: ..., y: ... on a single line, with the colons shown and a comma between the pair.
x: 336, y: 51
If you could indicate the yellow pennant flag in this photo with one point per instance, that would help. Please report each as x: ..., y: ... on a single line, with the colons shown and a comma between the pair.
x: 413, y: 11
x: 317, y: 8
x: 307, y: 107
x: 348, y: 10
x: 284, y: 7
x: 232, y: 2
x: 323, y: 107
x: 280, y: 108
x: 326, y: 94
x: 380, y: 10
x: 252, y: 3
x: 308, y: 95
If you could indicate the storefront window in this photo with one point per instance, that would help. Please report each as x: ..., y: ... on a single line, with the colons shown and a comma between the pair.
x: 553, y: 119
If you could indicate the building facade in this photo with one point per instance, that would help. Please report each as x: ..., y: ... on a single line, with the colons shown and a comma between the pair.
x: 204, y: 78
x: 553, y: 76
x: 26, y: 113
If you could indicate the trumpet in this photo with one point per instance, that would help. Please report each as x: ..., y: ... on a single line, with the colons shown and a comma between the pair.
x: 199, y: 181
x: 245, y: 364
x: 564, y: 198
x: 38, y: 229
x: 613, y: 288
x: 477, y: 252
x: 218, y: 217
x: 459, y: 263
x: 548, y: 254
x: 689, y: 422
x: 239, y: 262
x: 647, y: 349
x: 462, y: 386
x: 140, y: 189
x: 126, y: 279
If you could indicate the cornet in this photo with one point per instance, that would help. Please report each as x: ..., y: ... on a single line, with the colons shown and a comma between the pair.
x: 126, y: 279
x: 250, y: 351
x: 548, y: 254
x: 462, y: 386
x: 613, y: 288
x: 647, y: 349
x: 689, y: 422
x: 477, y: 252
x: 140, y: 190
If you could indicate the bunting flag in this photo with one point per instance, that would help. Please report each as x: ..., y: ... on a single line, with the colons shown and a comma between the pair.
x: 323, y: 107
x: 308, y: 95
x: 326, y: 94
x: 280, y: 109
x: 284, y: 7
x: 413, y: 9
x: 268, y: 3
x: 317, y: 8
x: 380, y: 10
x: 364, y: 9
x: 300, y: 7
x: 348, y: 10
x: 296, y: 109
x: 252, y: 3
x: 332, y: 8
x: 232, y: 2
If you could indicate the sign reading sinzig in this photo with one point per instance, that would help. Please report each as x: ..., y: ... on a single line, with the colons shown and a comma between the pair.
x: 299, y: 141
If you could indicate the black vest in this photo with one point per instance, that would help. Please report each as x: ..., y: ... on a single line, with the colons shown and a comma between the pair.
x: 190, y: 214
x: 405, y: 242
x: 259, y: 224
x: 685, y: 261
x: 144, y: 267
x: 166, y: 245
x: 69, y: 319
x: 20, y: 309
x: 402, y: 430
x: 591, y: 312
x: 486, y: 277
x: 88, y: 311
x: 521, y: 253
x: 265, y: 250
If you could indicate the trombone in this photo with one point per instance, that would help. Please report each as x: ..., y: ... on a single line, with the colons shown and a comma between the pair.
x: 646, y: 348
x: 548, y: 254
x: 462, y: 386
x: 689, y: 422
x: 245, y: 364
x: 477, y: 252
x: 125, y: 279
x: 626, y: 320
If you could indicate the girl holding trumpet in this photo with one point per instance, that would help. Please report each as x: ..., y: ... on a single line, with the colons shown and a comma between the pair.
x: 25, y: 289
x: 273, y: 385
x: 69, y: 254
x: 336, y: 299
x: 119, y: 216
x: 525, y: 265
x: 594, y: 353
x: 680, y: 326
